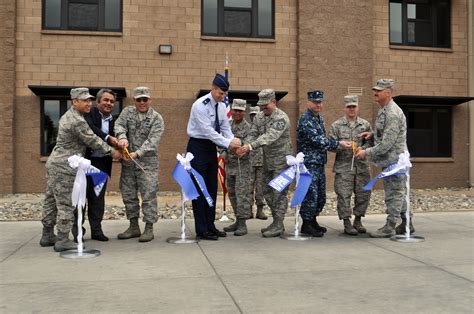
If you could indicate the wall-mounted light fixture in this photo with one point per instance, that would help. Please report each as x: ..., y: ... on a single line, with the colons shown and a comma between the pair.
x: 165, y: 49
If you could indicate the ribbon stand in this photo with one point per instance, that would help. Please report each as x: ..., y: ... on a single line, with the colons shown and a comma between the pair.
x: 78, y: 200
x: 407, y: 237
x: 183, y: 239
x: 296, y: 234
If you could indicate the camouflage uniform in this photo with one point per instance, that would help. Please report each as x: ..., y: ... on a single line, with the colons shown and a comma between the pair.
x: 256, y: 160
x: 273, y: 134
x: 349, y: 181
x: 143, y: 132
x: 238, y: 175
x: 312, y: 142
x: 74, y: 136
x: 389, y: 142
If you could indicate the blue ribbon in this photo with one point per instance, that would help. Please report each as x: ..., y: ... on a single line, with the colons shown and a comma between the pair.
x: 184, y: 180
x: 99, y: 178
x: 183, y: 177
x: 383, y: 174
x: 287, y: 176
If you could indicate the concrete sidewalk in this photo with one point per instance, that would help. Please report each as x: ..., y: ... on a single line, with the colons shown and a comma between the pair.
x: 249, y: 274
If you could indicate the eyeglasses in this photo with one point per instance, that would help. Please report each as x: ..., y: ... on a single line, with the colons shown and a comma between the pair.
x: 351, y: 107
x: 142, y: 99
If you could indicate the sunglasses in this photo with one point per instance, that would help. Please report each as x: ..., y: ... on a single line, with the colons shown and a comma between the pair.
x: 351, y: 107
x: 142, y: 99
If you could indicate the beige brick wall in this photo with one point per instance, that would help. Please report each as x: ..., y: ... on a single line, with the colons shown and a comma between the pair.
x: 430, y: 73
x: 7, y: 88
x: 132, y: 59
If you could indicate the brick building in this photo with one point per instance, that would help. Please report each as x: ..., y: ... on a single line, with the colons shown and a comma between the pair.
x: 49, y: 46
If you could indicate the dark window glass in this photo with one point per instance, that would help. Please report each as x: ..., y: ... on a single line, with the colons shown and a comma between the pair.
x: 52, y: 110
x: 83, y: 16
x: 87, y: 15
x: 429, y: 131
x: 424, y: 23
x: 239, y: 18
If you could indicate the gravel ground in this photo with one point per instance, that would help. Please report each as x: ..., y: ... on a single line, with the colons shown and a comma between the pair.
x: 15, y: 207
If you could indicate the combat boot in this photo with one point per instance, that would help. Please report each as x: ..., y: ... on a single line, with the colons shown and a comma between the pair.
x: 241, y: 227
x: 275, y: 230
x: 133, y: 230
x: 358, y: 224
x: 317, y: 226
x: 63, y: 243
x: 385, y: 232
x: 348, y: 228
x: 232, y: 227
x: 147, y: 233
x: 269, y: 226
x: 260, y: 214
x: 401, y: 228
x: 48, y: 238
x: 308, y: 228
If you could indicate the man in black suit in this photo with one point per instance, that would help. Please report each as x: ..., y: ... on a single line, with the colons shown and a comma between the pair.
x: 101, y: 122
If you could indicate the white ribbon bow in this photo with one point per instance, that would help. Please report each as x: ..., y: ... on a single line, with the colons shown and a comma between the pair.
x: 80, y: 183
x: 297, y: 162
x: 185, y: 160
x: 403, y: 163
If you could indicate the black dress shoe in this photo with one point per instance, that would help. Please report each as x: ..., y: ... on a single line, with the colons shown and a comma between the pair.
x: 220, y: 234
x: 207, y: 236
x: 99, y: 237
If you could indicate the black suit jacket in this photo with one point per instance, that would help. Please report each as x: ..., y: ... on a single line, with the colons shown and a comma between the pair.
x: 94, y: 119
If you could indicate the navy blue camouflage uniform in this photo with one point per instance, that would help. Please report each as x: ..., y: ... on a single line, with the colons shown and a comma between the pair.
x: 312, y: 141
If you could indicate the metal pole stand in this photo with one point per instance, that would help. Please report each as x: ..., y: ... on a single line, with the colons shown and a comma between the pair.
x: 407, y: 237
x: 183, y: 239
x: 296, y: 235
x: 80, y: 253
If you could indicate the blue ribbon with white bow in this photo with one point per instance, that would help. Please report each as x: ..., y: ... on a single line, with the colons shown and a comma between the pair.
x: 397, y: 168
x: 182, y: 174
x: 296, y: 170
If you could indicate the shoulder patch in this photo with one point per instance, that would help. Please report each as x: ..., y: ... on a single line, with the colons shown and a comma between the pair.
x: 206, y: 101
x: 279, y: 124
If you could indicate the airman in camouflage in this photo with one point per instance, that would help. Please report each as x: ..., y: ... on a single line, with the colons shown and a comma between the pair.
x: 74, y: 136
x: 256, y: 159
x: 271, y: 130
x: 312, y: 141
x: 139, y: 128
x: 390, y: 140
x: 351, y: 174
x: 238, y: 172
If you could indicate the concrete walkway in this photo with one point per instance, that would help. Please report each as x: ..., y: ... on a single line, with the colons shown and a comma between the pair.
x: 249, y: 274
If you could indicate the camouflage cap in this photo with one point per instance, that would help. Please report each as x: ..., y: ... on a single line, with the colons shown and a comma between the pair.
x: 265, y: 96
x: 254, y: 110
x: 141, y: 91
x: 81, y: 93
x: 351, y: 100
x: 239, y: 104
x: 383, y: 84
x: 316, y: 95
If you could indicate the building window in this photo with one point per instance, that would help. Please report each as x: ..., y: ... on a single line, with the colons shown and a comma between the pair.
x: 238, y: 18
x: 52, y: 108
x: 429, y: 131
x: 425, y: 23
x: 82, y: 15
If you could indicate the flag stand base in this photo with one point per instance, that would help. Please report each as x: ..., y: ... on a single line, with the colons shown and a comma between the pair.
x: 74, y: 254
x: 224, y: 218
x: 181, y: 240
x: 407, y: 239
x: 295, y: 237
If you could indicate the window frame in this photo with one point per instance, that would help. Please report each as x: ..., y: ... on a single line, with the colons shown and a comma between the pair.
x: 435, y: 9
x: 433, y: 136
x: 254, y: 20
x: 64, y: 22
x: 63, y: 108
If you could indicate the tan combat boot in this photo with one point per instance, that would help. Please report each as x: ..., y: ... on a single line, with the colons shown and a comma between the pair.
x: 63, y: 243
x: 147, y: 233
x: 260, y: 214
x: 241, y: 227
x: 48, y: 238
x: 386, y: 231
x: 275, y: 230
x: 348, y: 228
x: 133, y: 230
x: 358, y: 225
